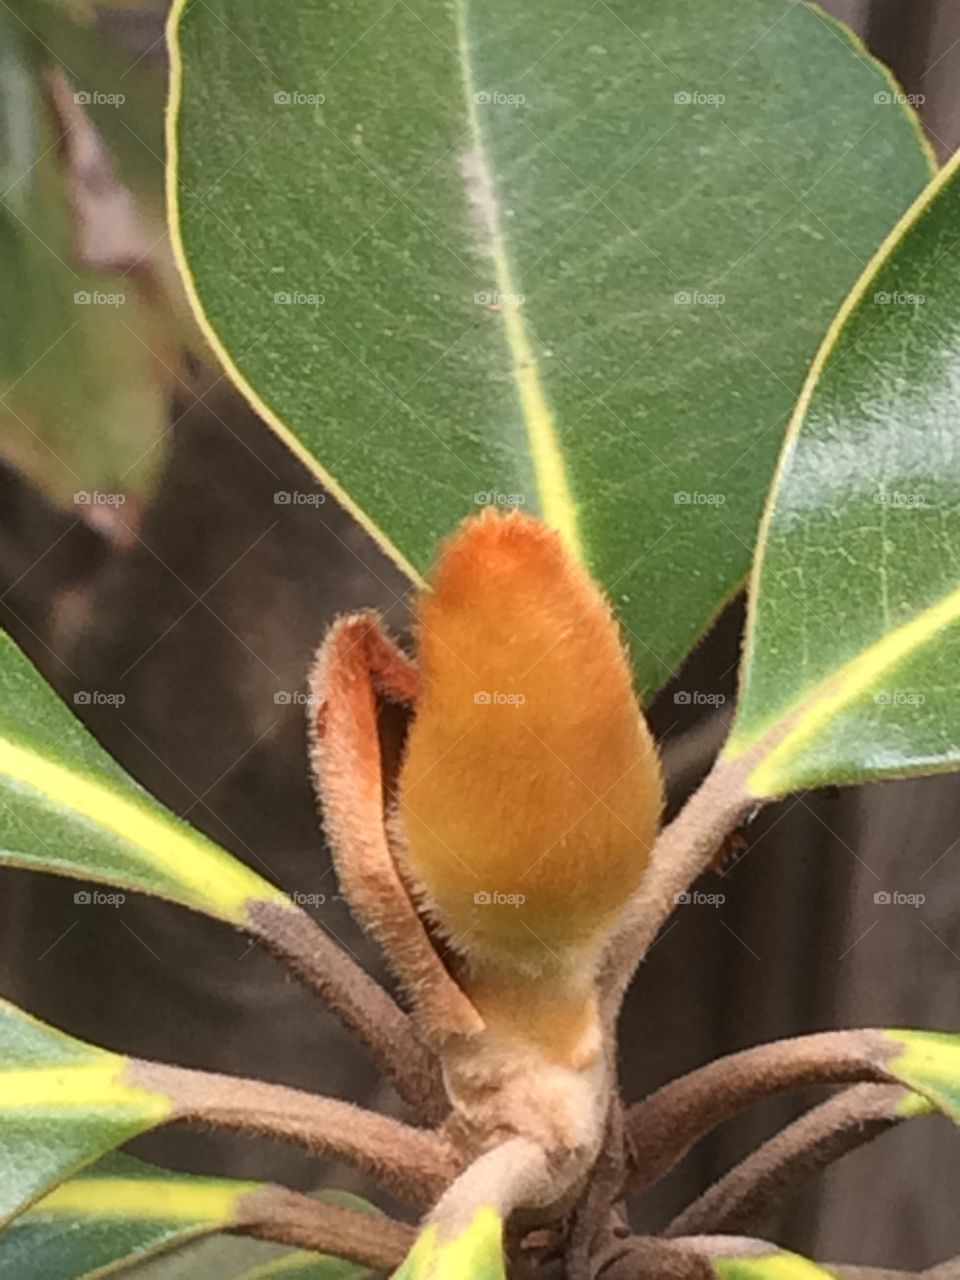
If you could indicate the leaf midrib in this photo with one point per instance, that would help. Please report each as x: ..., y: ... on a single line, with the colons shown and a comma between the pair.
x: 215, y: 882
x: 558, y: 506
x: 831, y: 696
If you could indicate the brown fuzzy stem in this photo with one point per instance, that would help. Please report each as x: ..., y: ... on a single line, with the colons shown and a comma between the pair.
x: 663, y: 1128
x: 643, y: 1257
x: 943, y: 1270
x: 594, y: 1214
x: 288, y: 1217
x: 882, y: 1273
x: 743, y: 1246
x: 740, y: 1200
x: 683, y: 850
x: 358, y: 1001
x: 514, y: 1175
x: 413, y: 1164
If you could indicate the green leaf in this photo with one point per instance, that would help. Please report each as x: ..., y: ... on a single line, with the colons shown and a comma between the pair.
x: 772, y: 1266
x: 242, y: 1258
x: 475, y: 1251
x: 855, y: 607
x: 120, y: 1213
x: 66, y: 807
x: 929, y: 1062
x: 300, y: 1265
x: 359, y: 263
x: 114, y: 1215
x: 63, y: 1103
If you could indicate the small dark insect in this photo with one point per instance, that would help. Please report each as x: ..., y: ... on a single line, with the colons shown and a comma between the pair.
x: 735, y: 845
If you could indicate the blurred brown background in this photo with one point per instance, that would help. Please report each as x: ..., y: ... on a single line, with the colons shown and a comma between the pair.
x: 213, y: 605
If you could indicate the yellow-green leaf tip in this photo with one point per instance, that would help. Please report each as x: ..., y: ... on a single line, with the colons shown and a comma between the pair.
x: 475, y: 1253
x: 773, y: 1266
x: 929, y: 1061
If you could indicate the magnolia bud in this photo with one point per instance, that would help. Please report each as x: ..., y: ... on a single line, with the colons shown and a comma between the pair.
x: 530, y: 792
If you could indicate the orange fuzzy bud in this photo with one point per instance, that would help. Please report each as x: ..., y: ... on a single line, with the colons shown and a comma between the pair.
x: 530, y: 792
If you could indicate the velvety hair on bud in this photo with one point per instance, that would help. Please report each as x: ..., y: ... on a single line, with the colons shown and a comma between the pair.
x: 530, y: 792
